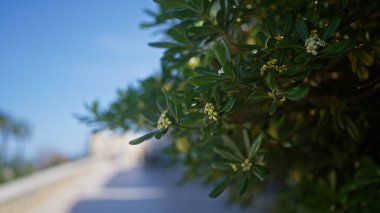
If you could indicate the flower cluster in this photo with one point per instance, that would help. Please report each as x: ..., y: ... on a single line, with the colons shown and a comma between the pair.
x: 210, y: 111
x: 246, y: 165
x: 163, y: 121
x: 272, y: 64
x: 313, y: 43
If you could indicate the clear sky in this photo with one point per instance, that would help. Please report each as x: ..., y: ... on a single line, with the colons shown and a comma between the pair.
x: 55, y: 56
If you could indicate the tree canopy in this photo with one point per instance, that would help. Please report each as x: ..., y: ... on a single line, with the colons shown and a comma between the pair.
x: 254, y: 93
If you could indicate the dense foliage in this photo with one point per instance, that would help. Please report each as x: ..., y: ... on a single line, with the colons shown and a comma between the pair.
x: 251, y: 87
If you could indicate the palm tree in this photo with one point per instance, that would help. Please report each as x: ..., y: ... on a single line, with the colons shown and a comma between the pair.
x: 10, y: 127
x: 5, y: 131
x: 20, y: 131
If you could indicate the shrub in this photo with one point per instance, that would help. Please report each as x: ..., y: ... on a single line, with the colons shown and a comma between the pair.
x: 251, y: 87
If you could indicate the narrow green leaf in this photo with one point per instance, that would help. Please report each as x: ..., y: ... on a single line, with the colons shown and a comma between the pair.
x: 260, y: 171
x: 142, y: 138
x: 204, y: 71
x: 338, y: 49
x: 281, y: 57
x: 204, y: 80
x: 220, y: 187
x: 191, y: 118
x: 206, y: 5
x: 302, y: 58
x: 246, y: 140
x: 271, y: 27
x: 227, y: 155
x: 221, y: 166
x: 151, y: 119
x: 226, y: 50
x: 270, y: 79
x: 231, y: 144
x: 352, y: 129
x: 244, y: 187
x: 229, y: 105
x: 258, y: 96
x: 164, y: 44
x: 288, y: 23
x: 231, y: 85
x: 292, y: 46
x: 273, y: 107
x: 292, y: 71
x: 221, y: 54
x: 229, y: 69
x: 331, y: 28
x: 295, y: 93
x: 174, y: 4
x: 302, y: 29
x: 256, y: 144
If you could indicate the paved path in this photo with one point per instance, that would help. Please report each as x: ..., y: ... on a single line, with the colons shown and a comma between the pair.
x: 141, y: 190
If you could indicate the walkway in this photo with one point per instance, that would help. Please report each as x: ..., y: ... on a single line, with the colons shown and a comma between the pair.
x: 142, y: 190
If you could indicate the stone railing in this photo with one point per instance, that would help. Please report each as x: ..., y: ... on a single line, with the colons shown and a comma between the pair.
x: 46, y: 190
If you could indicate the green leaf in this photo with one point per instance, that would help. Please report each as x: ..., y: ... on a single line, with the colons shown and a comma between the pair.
x: 292, y: 71
x: 270, y: 80
x: 338, y: 49
x: 288, y: 23
x: 256, y: 144
x: 231, y: 85
x: 258, y: 96
x: 273, y: 108
x: 260, y: 171
x: 292, y: 46
x: 151, y: 119
x: 281, y: 56
x: 220, y: 187
x: 174, y: 4
x: 231, y: 144
x: 191, y: 118
x: 227, y: 50
x: 221, y: 166
x: 160, y: 133
x: 271, y: 27
x: 204, y: 80
x: 352, y: 129
x: 331, y: 28
x: 219, y: 54
x: 143, y: 138
x: 302, y: 58
x: 229, y: 105
x: 295, y: 93
x: 244, y: 187
x: 206, y: 5
x: 302, y: 29
x: 164, y: 44
x: 227, y: 155
x: 229, y: 69
x: 205, y: 71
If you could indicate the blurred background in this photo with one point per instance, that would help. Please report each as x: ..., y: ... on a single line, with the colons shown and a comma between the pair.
x: 56, y: 56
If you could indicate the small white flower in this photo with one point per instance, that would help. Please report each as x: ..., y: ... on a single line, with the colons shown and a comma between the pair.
x: 220, y: 71
x: 163, y: 122
x: 209, y: 111
x: 313, y: 43
x: 246, y: 165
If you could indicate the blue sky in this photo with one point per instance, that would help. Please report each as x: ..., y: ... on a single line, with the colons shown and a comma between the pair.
x: 55, y: 56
